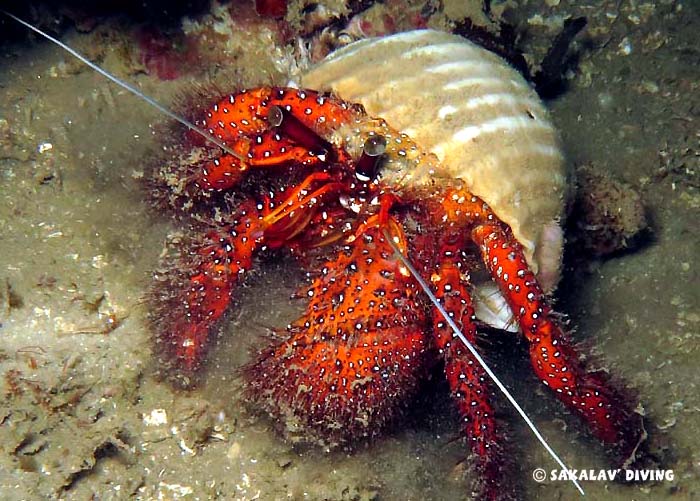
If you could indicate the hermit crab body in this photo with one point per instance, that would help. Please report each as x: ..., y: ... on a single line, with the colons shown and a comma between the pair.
x: 313, y: 174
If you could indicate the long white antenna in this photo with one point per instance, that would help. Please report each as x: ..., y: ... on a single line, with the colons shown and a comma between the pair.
x: 459, y: 335
x: 129, y: 87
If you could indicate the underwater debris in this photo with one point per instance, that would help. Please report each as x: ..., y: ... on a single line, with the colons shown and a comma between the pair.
x: 271, y: 8
x: 608, y: 215
x: 549, y: 80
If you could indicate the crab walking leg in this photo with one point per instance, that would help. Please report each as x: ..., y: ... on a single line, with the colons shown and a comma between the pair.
x: 214, y: 268
x: 467, y: 379
x: 607, y: 410
x: 210, y: 272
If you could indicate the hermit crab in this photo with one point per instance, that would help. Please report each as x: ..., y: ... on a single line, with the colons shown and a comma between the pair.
x: 310, y: 173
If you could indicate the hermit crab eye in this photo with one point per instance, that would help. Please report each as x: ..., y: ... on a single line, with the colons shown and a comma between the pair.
x: 294, y: 129
x: 275, y: 116
x: 372, y: 151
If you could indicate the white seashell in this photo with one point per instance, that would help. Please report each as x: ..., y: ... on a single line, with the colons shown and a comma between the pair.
x: 479, y: 117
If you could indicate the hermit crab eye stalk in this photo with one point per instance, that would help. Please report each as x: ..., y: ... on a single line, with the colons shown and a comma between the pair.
x: 293, y: 128
x: 367, y: 166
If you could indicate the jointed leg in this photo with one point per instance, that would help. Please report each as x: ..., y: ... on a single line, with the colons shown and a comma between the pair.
x: 606, y: 409
x: 468, y: 382
x: 351, y: 360
x: 555, y: 362
x: 193, y: 292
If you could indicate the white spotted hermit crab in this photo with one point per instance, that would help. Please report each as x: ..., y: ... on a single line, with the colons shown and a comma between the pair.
x: 421, y: 141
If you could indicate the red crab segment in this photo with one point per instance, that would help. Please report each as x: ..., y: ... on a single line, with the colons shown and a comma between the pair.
x: 226, y: 253
x: 214, y: 267
x: 241, y: 120
x: 555, y: 362
x: 219, y: 174
x: 351, y: 360
x: 266, y: 149
x: 467, y: 379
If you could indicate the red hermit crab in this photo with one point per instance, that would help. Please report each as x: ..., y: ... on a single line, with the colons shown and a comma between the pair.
x: 318, y: 176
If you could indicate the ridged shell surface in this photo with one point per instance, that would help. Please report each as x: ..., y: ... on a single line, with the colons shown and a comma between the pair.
x: 476, y: 114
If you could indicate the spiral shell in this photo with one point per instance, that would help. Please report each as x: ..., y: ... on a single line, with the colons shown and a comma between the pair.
x: 478, y: 115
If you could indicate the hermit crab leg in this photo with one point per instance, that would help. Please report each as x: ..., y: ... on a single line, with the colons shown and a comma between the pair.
x: 292, y: 216
x: 183, y: 319
x: 360, y: 349
x: 590, y: 394
x: 467, y: 379
x: 457, y: 333
x: 554, y: 361
x: 268, y: 127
